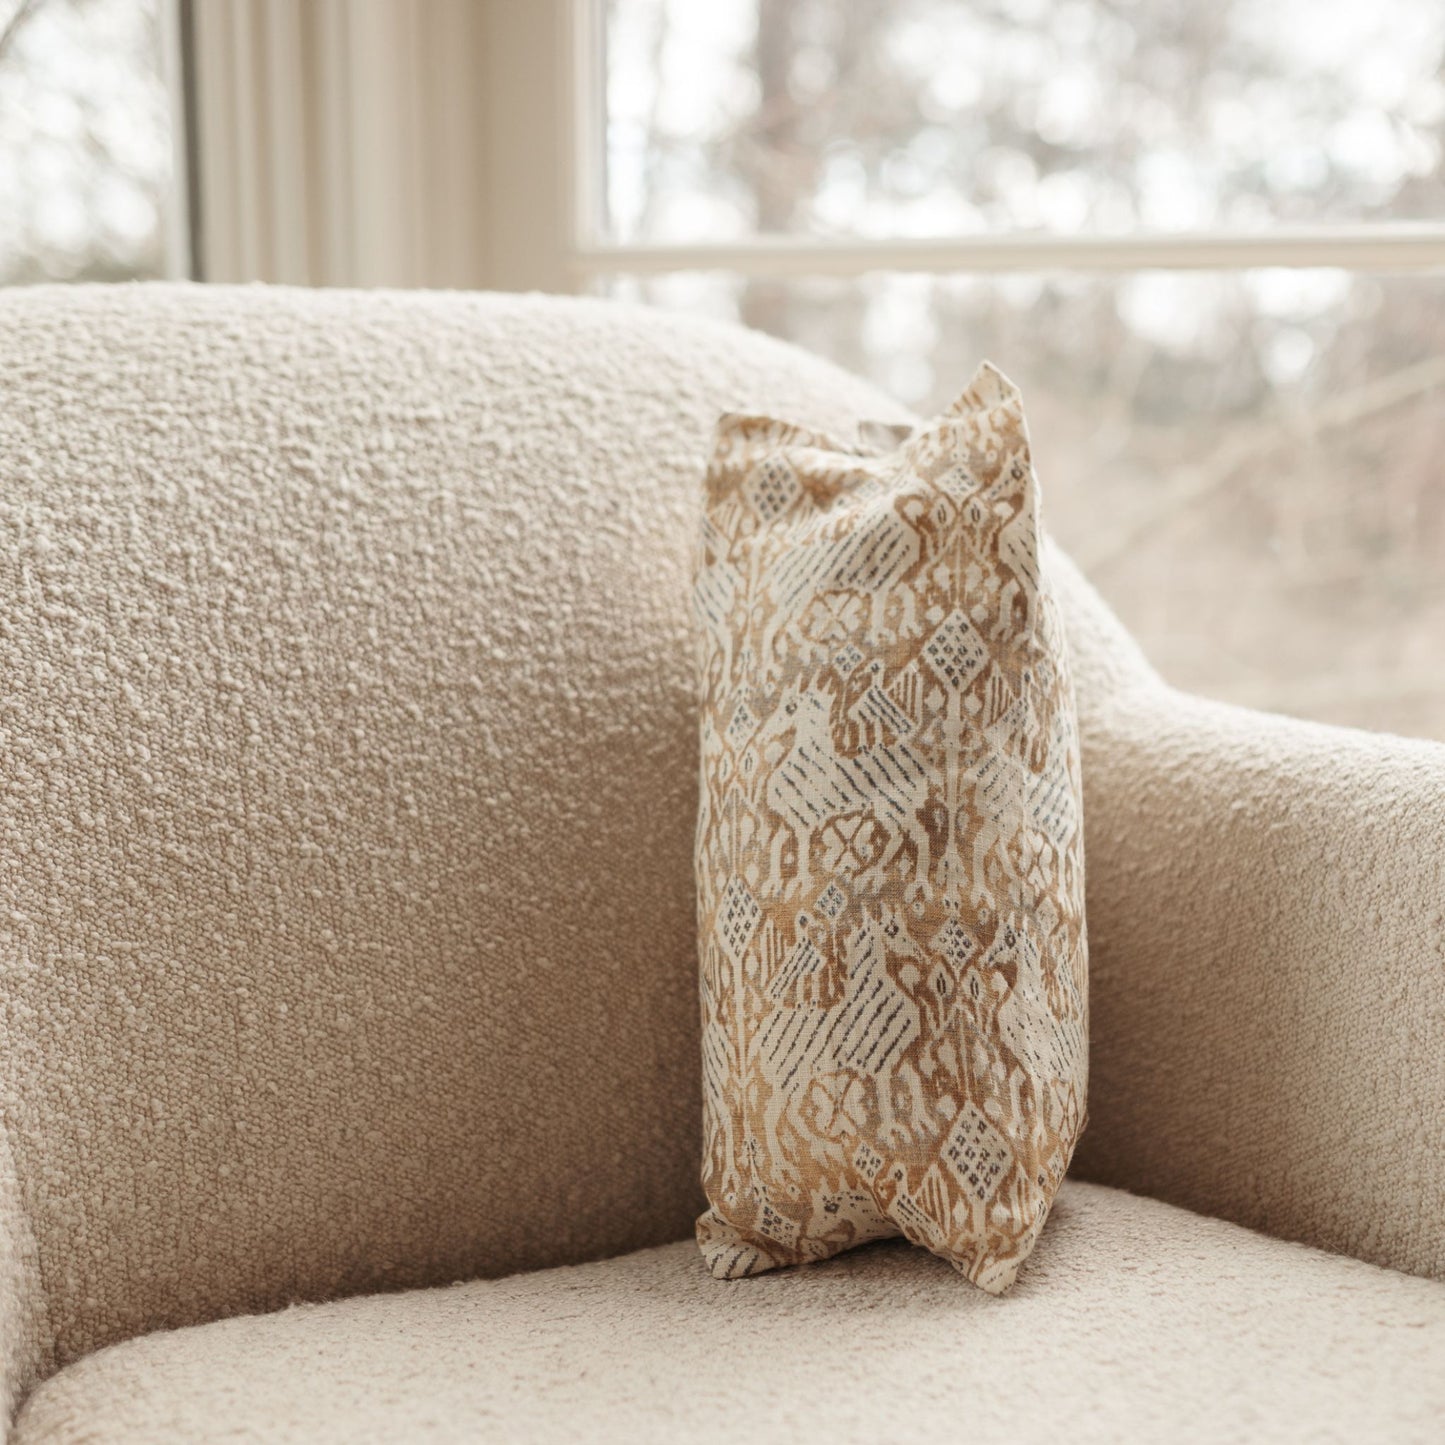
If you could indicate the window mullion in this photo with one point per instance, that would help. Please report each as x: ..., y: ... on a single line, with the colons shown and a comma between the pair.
x: 1383, y: 247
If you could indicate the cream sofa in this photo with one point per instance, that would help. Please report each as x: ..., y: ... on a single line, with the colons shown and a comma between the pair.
x: 346, y: 938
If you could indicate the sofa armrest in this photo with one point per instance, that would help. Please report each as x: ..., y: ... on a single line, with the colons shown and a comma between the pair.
x: 25, y: 1355
x: 1267, y: 928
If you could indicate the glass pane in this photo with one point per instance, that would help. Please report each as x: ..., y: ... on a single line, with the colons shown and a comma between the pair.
x: 1248, y: 465
x: 86, y: 159
x: 933, y: 117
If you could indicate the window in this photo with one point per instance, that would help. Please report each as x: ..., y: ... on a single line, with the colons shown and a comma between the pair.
x: 87, y: 155
x: 1203, y: 239
x: 1208, y: 240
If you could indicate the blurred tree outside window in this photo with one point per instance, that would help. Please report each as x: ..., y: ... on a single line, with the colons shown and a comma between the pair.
x: 86, y: 152
x: 1246, y: 462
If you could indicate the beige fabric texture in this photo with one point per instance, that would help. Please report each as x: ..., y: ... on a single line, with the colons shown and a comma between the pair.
x: 1267, y: 972
x: 349, y: 765
x: 890, y: 859
x: 1133, y: 1321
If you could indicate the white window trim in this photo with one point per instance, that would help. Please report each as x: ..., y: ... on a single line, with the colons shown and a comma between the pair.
x: 1382, y: 247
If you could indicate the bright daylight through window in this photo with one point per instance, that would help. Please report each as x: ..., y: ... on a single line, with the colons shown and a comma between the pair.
x: 86, y: 149
x: 1246, y: 462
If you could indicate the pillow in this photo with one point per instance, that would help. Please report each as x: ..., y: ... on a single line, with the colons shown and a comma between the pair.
x: 889, y: 848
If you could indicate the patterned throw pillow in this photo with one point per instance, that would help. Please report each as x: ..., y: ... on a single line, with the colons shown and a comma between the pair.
x: 889, y: 850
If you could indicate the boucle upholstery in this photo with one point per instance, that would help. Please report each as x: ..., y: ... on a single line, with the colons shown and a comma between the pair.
x: 1133, y: 1321
x: 348, y: 748
x: 1267, y: 992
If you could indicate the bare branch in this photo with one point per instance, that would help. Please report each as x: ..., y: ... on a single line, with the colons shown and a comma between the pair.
x: 1198, y: 483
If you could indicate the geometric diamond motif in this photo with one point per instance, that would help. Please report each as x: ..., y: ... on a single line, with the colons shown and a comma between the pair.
x: 955, y: 651
x: 742, y: 725
x: 772, y: 487
x: 955, y: 943
x: 979, y: 1154
x: 737, y: 919
x: 831, y: 902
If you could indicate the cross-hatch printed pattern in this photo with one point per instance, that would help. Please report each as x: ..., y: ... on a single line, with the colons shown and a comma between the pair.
x: 889, y: 849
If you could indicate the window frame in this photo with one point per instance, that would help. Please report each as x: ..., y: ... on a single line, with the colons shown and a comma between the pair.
x: 1367, y: 246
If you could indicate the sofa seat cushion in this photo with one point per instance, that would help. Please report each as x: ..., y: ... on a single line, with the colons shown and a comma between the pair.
x: 1138, y: 1321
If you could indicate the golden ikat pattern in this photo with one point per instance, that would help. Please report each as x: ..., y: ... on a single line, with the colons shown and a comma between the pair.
x: 889, y: 849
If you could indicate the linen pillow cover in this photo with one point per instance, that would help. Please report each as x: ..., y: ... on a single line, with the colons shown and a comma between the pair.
x: 889, y: 849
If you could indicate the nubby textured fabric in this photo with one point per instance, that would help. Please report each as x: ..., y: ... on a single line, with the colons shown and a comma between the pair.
x: 349, y: 745
x: 1210, y: 1334
x: 890, y: 847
